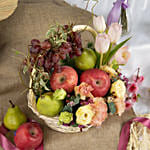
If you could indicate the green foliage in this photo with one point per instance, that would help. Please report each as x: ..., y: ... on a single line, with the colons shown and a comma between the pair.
x: 74, y: 125
x: 90, y: 45
x: 68, y: 62
x: 67, y: 108
x: 98, y: 55
x: 112, y: 107
x: 39, y: 81
x: 74, y: 100
x: 115, y: 64
x: 57, y: 34
x: 115, y: 49
x: 25, y: 69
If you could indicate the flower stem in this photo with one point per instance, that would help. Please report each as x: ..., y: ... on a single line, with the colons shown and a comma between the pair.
x: 137, y: 74
x: 107, y: 54
x: 101, y: 60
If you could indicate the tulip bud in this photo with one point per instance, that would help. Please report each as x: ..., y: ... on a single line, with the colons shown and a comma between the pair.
x: 114, y: 32
x: 99, y: 23
x: 102, y: 43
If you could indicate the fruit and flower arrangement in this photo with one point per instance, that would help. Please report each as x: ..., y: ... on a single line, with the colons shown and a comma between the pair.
x: 77, y: 87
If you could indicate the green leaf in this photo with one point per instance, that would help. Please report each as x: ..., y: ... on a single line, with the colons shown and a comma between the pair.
x: 68, y: 62
x: 25, y: 69
x: 97, y: 60
x: 90, y: 45
x: 77, y: 100
x: 138, y: 95
x: 115, y: 64
x: 67, y: 108
x: 75, y: 125
x: 115, y: 49
x: 43, y: 84
x: 112, y: 107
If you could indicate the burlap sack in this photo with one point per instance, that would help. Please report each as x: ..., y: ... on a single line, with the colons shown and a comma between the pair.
x: 31, y: 20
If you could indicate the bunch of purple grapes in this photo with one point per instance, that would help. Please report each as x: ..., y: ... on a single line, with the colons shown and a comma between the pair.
x: 43, y: 54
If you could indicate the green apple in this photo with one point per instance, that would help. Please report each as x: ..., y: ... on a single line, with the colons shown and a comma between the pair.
x: 87, y: 60
x: 49, y: 106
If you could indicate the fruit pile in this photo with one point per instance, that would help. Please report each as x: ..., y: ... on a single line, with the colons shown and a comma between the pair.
x: 82, y: 86
x: 26, y: 135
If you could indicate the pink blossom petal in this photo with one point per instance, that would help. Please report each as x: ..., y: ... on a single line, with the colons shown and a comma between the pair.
x: 134, y: 98
x: 133, y: 88
x: 139, y: 79
x: 128, y: 104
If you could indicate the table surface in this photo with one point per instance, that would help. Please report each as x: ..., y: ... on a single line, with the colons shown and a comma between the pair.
x: 31, y: 20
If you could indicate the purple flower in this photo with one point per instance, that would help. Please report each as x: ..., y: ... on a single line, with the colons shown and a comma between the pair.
x: 115, y: 12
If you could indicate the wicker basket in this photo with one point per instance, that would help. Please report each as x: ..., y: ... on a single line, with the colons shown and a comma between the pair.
x: 53, y: 122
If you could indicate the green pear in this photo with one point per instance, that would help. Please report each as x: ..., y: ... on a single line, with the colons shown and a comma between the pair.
x: 87, y: 60
x: 49, y: 106
x: 14, y: 117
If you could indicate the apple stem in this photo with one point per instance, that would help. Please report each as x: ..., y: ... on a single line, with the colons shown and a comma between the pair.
x: 11, y: 103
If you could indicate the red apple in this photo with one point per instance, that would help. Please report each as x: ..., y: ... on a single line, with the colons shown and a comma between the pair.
x: 28, y: 136
x: 66, y: 79
x: 98, y: 79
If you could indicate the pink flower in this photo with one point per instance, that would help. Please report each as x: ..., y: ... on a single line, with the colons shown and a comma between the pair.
x: 84, y: 90
x: 128, y: 104
x: 133, y: 88
x: 121, y: 56
x: 102, y: 43
x: 114, y: 32
x: 134, y: 98
x: 99, y: 23
x: 138, y: 79
x: 99, y: 107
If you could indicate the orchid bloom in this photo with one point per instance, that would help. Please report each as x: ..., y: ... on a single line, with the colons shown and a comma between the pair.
x: 99, y: 24
x: 102, y: 43
x: 114, y: 32
x: 121, y: 56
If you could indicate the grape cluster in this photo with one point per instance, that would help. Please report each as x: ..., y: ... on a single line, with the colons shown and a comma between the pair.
x: 43, y: 54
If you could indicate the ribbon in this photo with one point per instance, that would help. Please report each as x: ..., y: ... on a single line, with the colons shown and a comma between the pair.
x: 125, y: 132
x: 7, y: 145
x: 115, y: 12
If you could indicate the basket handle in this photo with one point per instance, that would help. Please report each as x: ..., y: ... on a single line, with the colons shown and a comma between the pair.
x: 82, y: 28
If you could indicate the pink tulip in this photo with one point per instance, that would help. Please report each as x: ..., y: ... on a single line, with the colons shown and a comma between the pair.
x: 102, y: 43
x: 121, y: 56
x: 114, y: 32
x: 99, y: 23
